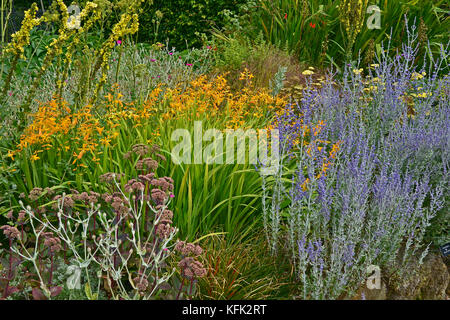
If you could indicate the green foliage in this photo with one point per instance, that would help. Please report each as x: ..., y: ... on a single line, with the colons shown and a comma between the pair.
x: 277, y: 83
x: 210, y: 196
x: 438, y: 231
x: 183, y: 22
x: 430, y: 18
x: 299, y: 26
x: 267, y: 38
x: 235, y: 53
x: 206, y: 196
x: 312, y: 29
x: 242, y: 268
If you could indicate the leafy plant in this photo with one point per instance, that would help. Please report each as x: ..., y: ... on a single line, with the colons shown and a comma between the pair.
x: 126, y: 231
x: 370, y: 197
x: 241, y: 269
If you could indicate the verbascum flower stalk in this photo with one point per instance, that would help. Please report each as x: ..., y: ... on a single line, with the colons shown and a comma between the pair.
x: 351, y: 14
x: 53, y: 50
x: 128, y: 24
x: 20, y: 39
x: 96, y: 15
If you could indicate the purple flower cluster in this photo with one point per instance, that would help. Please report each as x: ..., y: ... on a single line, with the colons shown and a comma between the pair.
x: 393, y: 122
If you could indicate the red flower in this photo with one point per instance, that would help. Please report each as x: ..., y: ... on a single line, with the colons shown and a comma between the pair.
x: 285, y: 16
x: 312, y: 25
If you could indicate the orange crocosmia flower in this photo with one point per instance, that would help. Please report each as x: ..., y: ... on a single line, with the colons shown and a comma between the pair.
x: 109, y: 96
x: 105, y: 141
x: 115, y: 134
x: 303, y: 186
x: 11, y: 154
x: 80, y: 155
x: 99, y: 129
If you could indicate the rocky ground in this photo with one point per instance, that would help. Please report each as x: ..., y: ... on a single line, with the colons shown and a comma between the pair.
x: 429, y: 281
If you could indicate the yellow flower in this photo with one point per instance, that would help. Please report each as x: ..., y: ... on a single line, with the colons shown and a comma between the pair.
x: 303, y: 186
x: 34, y: 157
x: 10, y: 154
x: 357, y: 71
x: 307, y: 72
x: 417, y: 76
x: 21, y: 38
x: 74, y: 23
x: 105, y: 141
x: 423, y: 95
x: 99, y: 129
x: 115, y: 134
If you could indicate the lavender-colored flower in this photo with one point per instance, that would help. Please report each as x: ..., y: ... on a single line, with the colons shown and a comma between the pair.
x: 393, y: 125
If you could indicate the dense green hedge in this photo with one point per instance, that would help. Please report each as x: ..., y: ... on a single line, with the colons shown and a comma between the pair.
x: 184, y: 20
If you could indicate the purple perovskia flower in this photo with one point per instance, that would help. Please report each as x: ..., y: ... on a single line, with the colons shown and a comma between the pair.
x: 376, y: 193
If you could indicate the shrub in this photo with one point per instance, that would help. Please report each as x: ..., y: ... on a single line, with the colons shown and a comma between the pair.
x: 75, y: 146
x: 370, y: 198
x: 242, y: 268
x: 236, y: 54
x: 126, y: 233
x: 318, y: 31
x: 183, y: 22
